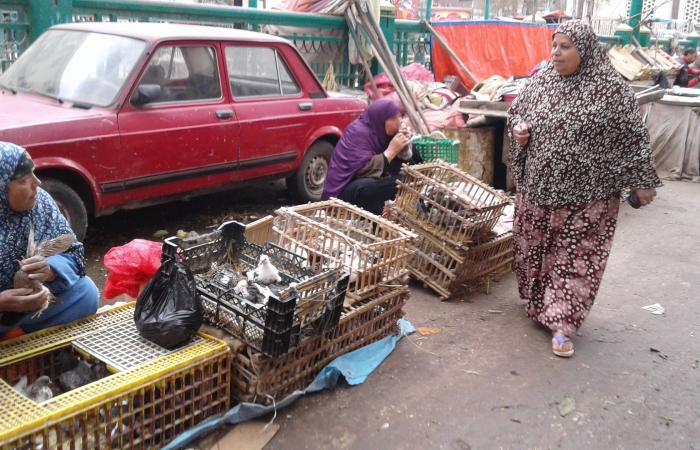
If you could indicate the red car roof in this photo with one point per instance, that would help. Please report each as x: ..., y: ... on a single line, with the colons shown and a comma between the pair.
x: 159, y: 31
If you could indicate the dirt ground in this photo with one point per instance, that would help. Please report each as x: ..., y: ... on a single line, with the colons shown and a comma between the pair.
x: 488, y: 379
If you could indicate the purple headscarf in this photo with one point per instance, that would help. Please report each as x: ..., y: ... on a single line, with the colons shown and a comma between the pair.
x: 362, y: 139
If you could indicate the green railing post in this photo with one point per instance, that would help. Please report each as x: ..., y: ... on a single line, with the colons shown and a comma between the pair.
x: 45, y: 13
x: 487, y: 9
x: 428, y: 10
x: 636, y: 16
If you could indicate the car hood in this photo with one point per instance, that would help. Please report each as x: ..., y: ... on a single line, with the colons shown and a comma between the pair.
x: 28, y: 119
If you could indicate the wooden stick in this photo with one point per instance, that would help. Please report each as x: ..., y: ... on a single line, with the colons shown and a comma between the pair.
x: 405, y: 96
x: 386, y: 58
x: 368, y: 72
x: 407, y: 106
x: 448, y: 50
x: 392, y: 62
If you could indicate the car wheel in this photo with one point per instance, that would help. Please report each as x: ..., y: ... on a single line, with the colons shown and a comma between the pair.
x: 70, y: 204
x: 307, y: 182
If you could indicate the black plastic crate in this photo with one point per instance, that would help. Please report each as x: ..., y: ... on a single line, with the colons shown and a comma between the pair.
x: 312, y: 306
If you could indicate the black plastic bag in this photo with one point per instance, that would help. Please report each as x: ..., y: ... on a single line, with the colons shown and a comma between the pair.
x: 168, y: 310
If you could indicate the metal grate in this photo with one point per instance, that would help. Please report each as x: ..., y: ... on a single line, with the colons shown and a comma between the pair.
x: 122, y: 348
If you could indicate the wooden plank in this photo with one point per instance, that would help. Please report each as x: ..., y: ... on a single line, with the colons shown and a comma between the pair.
x: 484, y: 104
x: 484, y: 112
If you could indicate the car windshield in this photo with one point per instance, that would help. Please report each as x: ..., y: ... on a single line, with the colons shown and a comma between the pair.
x: 75, y: 66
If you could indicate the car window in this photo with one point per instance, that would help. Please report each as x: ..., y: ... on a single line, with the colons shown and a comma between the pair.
x: 258, y: 71
x: 76, y: 66
x: 184, y: 73
x: 289, y: 86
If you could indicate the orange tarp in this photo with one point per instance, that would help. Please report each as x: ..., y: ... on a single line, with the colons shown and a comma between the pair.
x: 491, y: 48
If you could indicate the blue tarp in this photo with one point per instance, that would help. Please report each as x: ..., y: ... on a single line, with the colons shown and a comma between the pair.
x: 355, y: 367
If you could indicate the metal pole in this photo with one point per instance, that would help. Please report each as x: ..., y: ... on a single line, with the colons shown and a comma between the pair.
x: 487, y: 9
x: 429, y: 7
x: 635, y: 16
x: 368, y: 72
x: 366, y: 15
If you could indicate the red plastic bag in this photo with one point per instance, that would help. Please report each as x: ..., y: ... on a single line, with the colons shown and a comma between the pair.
x: 130, y: 267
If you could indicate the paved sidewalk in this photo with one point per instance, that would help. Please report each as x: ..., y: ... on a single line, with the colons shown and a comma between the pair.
x: 489, y: 380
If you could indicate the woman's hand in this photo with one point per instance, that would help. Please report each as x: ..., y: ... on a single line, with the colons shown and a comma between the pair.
x: 645, y: 196
x: 23, y: 300
x: 521, y: 133
x: 38, y: 268
x: 397, y: 144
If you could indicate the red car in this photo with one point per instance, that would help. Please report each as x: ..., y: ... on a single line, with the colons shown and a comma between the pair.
x: 120, y: 116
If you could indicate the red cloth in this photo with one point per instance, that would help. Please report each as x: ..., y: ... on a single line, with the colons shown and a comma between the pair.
x: 491, y: 48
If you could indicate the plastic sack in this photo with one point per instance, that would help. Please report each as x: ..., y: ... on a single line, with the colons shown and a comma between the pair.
x: 130, y: 266
x: 169, y: 311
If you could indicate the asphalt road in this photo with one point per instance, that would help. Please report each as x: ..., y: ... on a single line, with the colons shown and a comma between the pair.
x: 490, y: 381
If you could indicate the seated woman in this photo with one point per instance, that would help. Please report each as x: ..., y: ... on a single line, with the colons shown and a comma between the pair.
x: 24, y: 207
x: 364, y: 165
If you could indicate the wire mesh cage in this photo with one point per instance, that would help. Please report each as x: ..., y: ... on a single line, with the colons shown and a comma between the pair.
x: 260, y: 379
x: 447, y: 202
x: 334, y: 233
x: 144, y: 406
x: 450, y: 271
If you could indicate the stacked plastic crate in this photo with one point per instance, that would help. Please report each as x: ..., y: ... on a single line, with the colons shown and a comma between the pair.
x: 454, y: 216
x: 330, y: 235
x: 146, y: 396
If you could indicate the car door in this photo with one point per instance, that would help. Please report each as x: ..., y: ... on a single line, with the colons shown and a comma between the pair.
x: 273, y: 112
x: 186, y: 138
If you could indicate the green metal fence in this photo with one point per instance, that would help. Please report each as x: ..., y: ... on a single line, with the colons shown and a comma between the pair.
x: 322, y: 39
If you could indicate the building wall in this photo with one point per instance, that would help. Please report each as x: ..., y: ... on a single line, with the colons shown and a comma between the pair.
x: 690, y: 10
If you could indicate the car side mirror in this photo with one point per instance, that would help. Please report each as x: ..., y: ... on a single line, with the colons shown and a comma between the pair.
x: 145, y: 93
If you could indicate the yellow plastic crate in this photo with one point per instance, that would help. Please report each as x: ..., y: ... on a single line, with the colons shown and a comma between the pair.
x: 142, y: 407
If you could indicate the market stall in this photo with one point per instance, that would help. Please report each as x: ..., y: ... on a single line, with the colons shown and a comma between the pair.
x: 674, y: 128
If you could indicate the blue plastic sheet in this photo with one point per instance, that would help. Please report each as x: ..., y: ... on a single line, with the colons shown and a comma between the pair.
x: 355, y: 367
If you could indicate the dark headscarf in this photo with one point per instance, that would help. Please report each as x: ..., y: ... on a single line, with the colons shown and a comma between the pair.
x: 362, y: 139
x: 45, y: 217
x: 587, y: 139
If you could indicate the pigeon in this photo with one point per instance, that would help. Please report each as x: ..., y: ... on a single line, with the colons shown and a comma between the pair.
x: 258, y: 293
x: 242, y: 289
x: 41, y: 390
x: 81, y: 375
x: 45, y: 248
x: 265, y: 273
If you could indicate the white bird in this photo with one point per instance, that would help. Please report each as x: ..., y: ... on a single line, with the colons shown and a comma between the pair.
x: 242, y: 288
x: 265, y: 273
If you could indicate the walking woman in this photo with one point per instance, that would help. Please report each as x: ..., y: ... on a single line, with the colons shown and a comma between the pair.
x: 578, y: 141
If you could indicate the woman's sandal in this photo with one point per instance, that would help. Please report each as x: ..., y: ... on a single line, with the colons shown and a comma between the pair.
x: 562, y: 345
